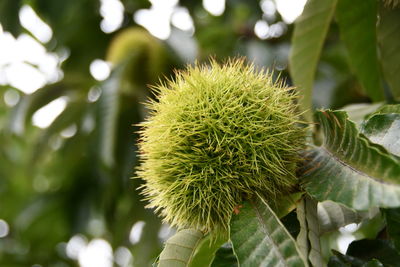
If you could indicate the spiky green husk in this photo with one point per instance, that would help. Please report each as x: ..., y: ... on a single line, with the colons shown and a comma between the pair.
x: 217, y: 135
x: 145, y: 56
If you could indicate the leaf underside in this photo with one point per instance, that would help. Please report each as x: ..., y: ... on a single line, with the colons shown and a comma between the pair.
x: 180, y: 248
x: 348, y: 168
x: 309, y: 236
x: 207, y: 248
x: 383, y: 128
x: 332, y: 216
x: 260, y: 239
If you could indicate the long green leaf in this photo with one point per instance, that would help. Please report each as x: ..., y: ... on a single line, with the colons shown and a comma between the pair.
x: 389, y: 42
x: 357, y: 23
x: 73, y: 113
x: 109, y: 107
x: 349, y: 169
x: 260, y: 239
x: 9, y: 16
x: 180, y: 248
x: 308, y: 38
x: 29, y: 104
x: 207, y: 249
x: 309, y: 236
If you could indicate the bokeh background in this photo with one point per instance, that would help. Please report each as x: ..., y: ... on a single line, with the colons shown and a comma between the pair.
x: 73, y: 77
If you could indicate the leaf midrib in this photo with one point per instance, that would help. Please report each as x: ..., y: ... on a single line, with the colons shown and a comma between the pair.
x: 362, y: 173
x: 265, y: 230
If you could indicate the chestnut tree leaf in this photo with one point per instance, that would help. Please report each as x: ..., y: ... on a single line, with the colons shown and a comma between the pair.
x: 109, y: 103
x: 310, y: 232
x: 260, y: 239
x: 332, y: 216
x: 22, y: 113
x: 180, y: 248
x: 383, y: 127
x: 389, y: 43
x: 308, y: 38
x: 350, y: 169
x: 358, y: 18
x: 207, y: 248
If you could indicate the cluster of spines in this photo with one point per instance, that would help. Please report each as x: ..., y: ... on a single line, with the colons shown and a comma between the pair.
x: 216, y: 135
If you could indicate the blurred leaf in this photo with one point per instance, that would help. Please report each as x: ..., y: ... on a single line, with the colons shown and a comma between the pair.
x: 141, y: 57
x: 207, y: 248
x: 225, y: 257
x: 348, y: 168
x: 332, y: 216
x: 218, y: 41
x: 373, y: 263
x: 108, y: 118
x: 389, y: 42
x: 347, y: 92
x: 382, y: 250
x: 180, y: 248
x: 40, y: 214
x: 307, y: 41
x: 22, y: 113
x: 372, y: 227
x: 259, y: 238
x: 358, y: 18
x: 340, y: 260
x: 393, y: 225
x: 72, y: 114
x: 335, y: 85
x: 149, y: 246
x: 29, y: 104
x: 9, y: 16
x: 384, y: 129
x: 76, y: 27
x: 309, y: 237
x: 133, y: 5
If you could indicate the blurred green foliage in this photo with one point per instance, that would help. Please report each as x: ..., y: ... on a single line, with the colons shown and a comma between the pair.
x: 54, y: 186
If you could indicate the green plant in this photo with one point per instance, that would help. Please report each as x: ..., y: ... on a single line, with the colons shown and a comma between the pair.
x: 347, y: 170
x: 145, y: 57
x: 71, y: 180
